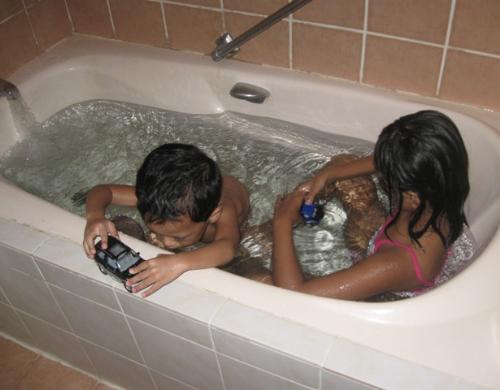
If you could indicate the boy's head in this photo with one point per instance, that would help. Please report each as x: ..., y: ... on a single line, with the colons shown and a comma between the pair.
x: 178, y: 185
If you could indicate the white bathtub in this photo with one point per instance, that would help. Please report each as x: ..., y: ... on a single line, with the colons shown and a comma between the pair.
x: 211, y: 329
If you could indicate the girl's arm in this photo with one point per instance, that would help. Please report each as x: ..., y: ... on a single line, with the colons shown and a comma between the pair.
x: 337, y: 171
x: 390, y: 269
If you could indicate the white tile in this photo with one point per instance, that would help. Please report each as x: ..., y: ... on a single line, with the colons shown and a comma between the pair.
x: 291, y: 338
x: 377, y: 369
x: 165, y: 319
x: 32, y: 296
x: 177, y: 358
x: 70, y: 256
x: 119, y: 370
x: 163, y: 382
x: 267, y: 359
x: 64, y: 253
x: 20, y: 236
x: 186, y: 299
x: 98, y: 324
x: 11, y: 324
x: 78, y: 284
x: 463, y: 385
x: 20, y: 261
x: 333, y: 381
x: 57, y: 342
x: 240, y: 376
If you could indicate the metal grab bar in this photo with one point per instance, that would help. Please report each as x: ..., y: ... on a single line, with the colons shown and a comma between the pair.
x: 226, y: 45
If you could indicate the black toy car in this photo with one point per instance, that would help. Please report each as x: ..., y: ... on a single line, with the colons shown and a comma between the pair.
x: 117, y: 259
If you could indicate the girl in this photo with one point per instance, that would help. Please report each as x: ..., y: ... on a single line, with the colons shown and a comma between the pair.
x: 423, y: 165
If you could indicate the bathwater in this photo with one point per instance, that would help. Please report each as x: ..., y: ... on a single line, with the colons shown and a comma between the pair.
x: 106, y: 141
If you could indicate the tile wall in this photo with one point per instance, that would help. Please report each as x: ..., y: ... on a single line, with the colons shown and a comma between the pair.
x: 444, y: 48
x: 182, y: 338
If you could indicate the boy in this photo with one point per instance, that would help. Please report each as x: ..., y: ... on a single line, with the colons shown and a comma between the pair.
x: 183, y: 199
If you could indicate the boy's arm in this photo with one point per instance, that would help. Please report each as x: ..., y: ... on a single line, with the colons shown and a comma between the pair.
x: 98, y: 199
x: 155, y: 273
x: 337, y: 171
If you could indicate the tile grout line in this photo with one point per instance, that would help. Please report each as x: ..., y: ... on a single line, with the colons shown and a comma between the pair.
x: 322, y: 365
x: 224, y: 26
x: 31, y: 25
x: 265, y: 371
x: 12, y: 16
x: 363, y: 43
x: 69, y: 15
x: 342, y: 28
x: 290, y: 41
x: 111, y: 19
x: 164, y: 20
x: 212, y: 339
x: 135, y: 341
x: 445, y: 48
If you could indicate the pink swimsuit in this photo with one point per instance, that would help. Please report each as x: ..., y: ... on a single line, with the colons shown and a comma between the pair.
x: 380, y: 241
x: 458, y: 257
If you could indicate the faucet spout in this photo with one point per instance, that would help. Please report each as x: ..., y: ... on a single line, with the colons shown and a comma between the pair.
x: 8, y: 90
x: 226, y: 46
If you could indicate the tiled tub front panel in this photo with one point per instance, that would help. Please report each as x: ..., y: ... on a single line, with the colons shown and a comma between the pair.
x: 55, y: 300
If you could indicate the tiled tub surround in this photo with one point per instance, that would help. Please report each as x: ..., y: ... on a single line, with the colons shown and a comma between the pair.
x: 444, y: 48
x: 211, y: 329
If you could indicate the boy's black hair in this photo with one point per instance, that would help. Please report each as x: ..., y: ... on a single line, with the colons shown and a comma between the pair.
x: 176, y: 180
x: 424, y: 153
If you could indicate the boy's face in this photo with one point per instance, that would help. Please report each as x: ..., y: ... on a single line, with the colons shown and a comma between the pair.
x: 178, y: 234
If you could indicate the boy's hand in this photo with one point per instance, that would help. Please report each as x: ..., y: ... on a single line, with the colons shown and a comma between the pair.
x: 286, y: 209
x: 99, y: 227
x: 155, y: 273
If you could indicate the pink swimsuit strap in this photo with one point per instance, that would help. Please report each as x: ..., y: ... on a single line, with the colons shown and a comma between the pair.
x: 379, y: 241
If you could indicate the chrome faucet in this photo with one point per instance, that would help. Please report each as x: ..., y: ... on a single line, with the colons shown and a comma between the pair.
x: 8, y: 90
x: 227, y: 46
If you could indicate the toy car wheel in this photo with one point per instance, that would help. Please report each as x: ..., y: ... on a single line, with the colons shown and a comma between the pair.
x: 128, y: 288
x: 102, y: 269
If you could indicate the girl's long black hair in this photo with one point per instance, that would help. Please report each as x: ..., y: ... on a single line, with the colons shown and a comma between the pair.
x: 424, y: 153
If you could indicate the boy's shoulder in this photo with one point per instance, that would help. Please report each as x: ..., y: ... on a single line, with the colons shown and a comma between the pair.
x: 235, y: 193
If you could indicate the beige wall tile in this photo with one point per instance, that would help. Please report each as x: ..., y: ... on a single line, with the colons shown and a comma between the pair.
x: 476, y: 25
x: 91, y: 17
x: 138, y: 21
x: 402, y: 65
x: 205, y: 3
x: 472, y: 79
x: 50, y: 22
x: 270, y: 47
x: 326, y: 51
x: 17, y: 44
x: 425, y: 20
x: 9, y: 8
x: 205, y: 27
x: 347, y: 13
x: 264, y: 7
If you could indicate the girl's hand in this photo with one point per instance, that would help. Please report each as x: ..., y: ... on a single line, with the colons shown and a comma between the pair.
x: 313, y: 186
x: 286, y: 209
x: 155, y: 273
x: 99, y: 227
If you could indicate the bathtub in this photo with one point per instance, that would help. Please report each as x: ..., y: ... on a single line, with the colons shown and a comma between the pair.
x: 214, y: 330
